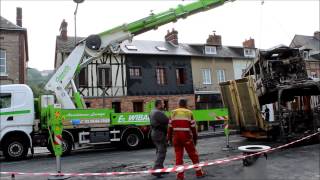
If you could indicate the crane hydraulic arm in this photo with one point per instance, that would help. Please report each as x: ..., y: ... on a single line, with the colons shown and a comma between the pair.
x: 109, y: 41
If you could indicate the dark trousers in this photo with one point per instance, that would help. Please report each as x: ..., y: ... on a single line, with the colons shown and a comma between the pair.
x: 159, y: 140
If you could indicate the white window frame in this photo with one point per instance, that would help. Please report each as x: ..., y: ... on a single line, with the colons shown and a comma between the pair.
x: 249, y: 52
x: 210, y: 50
x: 135, y: 72
x: 5, y: 63
x: 306, y: 55
x: 221, y: 75
x: 206, y: 76
x: 313, y: 74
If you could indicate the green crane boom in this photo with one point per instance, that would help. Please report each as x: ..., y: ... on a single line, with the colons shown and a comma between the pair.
x: 155, y: 20
x: 95, y: 45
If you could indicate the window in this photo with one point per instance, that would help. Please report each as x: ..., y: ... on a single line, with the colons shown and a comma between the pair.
x: 88, y: 104
x: 83, y: 77
x: 135, y: 72
x: 3, y: 63
x: 131, y: 47
x: 5, y: 100
x: 313, y: 74
x: 161, y: 76
x: 221, y: 76
x: 206, y: 76
x: 208, y: 101
x: 138, y: 106
x: 160, y: 48
x: 104, y: 77
x: 306, y: 55
x: 249, y: 52
x: 116, y: 106
x: 181, y: 76
x: 210, y: 50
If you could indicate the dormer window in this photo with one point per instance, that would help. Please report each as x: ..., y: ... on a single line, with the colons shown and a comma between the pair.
x: 161, y: 48
x: 249, y: 52
x: 131, y: 47
x: 210, y: 50
x: 306, y: 55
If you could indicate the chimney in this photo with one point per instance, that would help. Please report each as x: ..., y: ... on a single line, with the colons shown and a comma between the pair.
x: 64, y: 30
x: 19, y: 17
x: 172, y: 37
x: 214, y: 40
x: 248, y: 43
x: 317, y: 35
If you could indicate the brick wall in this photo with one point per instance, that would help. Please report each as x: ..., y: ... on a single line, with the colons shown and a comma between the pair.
x: 10, y: 43
x: 249, y: 43
x: 127, y: 101
x: 214, y: 40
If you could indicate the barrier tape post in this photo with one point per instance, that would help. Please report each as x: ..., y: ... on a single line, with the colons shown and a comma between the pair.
x: 227, y: 133
x: 56, y: 131
x: 168, y: 169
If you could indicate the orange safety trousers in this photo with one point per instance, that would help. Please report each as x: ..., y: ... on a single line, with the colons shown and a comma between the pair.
x: 183, y: 140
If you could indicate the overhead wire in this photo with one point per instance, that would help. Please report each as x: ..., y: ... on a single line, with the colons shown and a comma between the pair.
x: 260, y: 34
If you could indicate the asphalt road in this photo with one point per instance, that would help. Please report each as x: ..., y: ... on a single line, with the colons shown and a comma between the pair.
x: 298, y: 163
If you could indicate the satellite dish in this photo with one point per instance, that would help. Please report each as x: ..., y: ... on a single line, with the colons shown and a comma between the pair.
x: 78, y: 1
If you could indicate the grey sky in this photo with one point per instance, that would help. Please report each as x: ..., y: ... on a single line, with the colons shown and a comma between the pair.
x: 270, y: 24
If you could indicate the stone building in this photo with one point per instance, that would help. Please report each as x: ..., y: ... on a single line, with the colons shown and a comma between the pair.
x: 13, y: 51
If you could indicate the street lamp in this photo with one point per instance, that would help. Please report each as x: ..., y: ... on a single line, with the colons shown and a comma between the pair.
x: 75, y: 20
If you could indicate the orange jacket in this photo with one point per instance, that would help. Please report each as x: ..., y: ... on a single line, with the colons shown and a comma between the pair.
x: 182, y: 120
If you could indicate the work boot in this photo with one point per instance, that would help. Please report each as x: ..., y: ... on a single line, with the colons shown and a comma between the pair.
x: 200, y: 173
x: 180, y: 176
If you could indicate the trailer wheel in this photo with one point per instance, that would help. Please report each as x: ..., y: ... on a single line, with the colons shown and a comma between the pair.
x: 15, y: 149
x: 66, y: 146
x: 132, y: 140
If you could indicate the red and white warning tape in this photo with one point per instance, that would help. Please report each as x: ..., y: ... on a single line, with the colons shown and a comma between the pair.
x: 171, y: 169
x: 221, y: 118
x: 57, y: 140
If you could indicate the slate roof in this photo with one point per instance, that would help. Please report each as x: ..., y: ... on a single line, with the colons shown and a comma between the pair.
x: 307, y: 42
x: 7, y: 25
x: 222, y: 51
x: 150, y: 47
x: 66, y: 46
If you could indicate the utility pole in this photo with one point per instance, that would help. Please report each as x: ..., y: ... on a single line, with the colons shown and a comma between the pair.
x: 75, y: 20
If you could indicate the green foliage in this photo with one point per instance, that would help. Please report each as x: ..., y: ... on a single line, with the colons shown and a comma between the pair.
x: 37, y: 82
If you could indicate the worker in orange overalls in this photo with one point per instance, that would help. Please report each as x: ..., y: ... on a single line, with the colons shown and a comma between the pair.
x: 182, y: 133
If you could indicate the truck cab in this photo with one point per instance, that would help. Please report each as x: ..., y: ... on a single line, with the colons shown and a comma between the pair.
x: 17, y: 120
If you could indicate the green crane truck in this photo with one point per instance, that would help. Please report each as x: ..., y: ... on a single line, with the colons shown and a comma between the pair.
x: 61, y: 122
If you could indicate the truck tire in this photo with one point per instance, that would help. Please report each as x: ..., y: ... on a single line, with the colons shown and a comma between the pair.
x: 132, y: 140
x: 66, y: 146
x: 15, y: 149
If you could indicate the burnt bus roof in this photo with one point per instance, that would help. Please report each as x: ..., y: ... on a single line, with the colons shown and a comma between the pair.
x: 280, y: 53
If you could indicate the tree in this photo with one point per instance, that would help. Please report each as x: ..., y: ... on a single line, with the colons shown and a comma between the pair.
x: 37, y: 82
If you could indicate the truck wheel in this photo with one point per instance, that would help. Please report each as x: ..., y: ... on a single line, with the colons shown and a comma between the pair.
x: 66, y: 146
x: 132, y: 140
x: 15, y: 149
